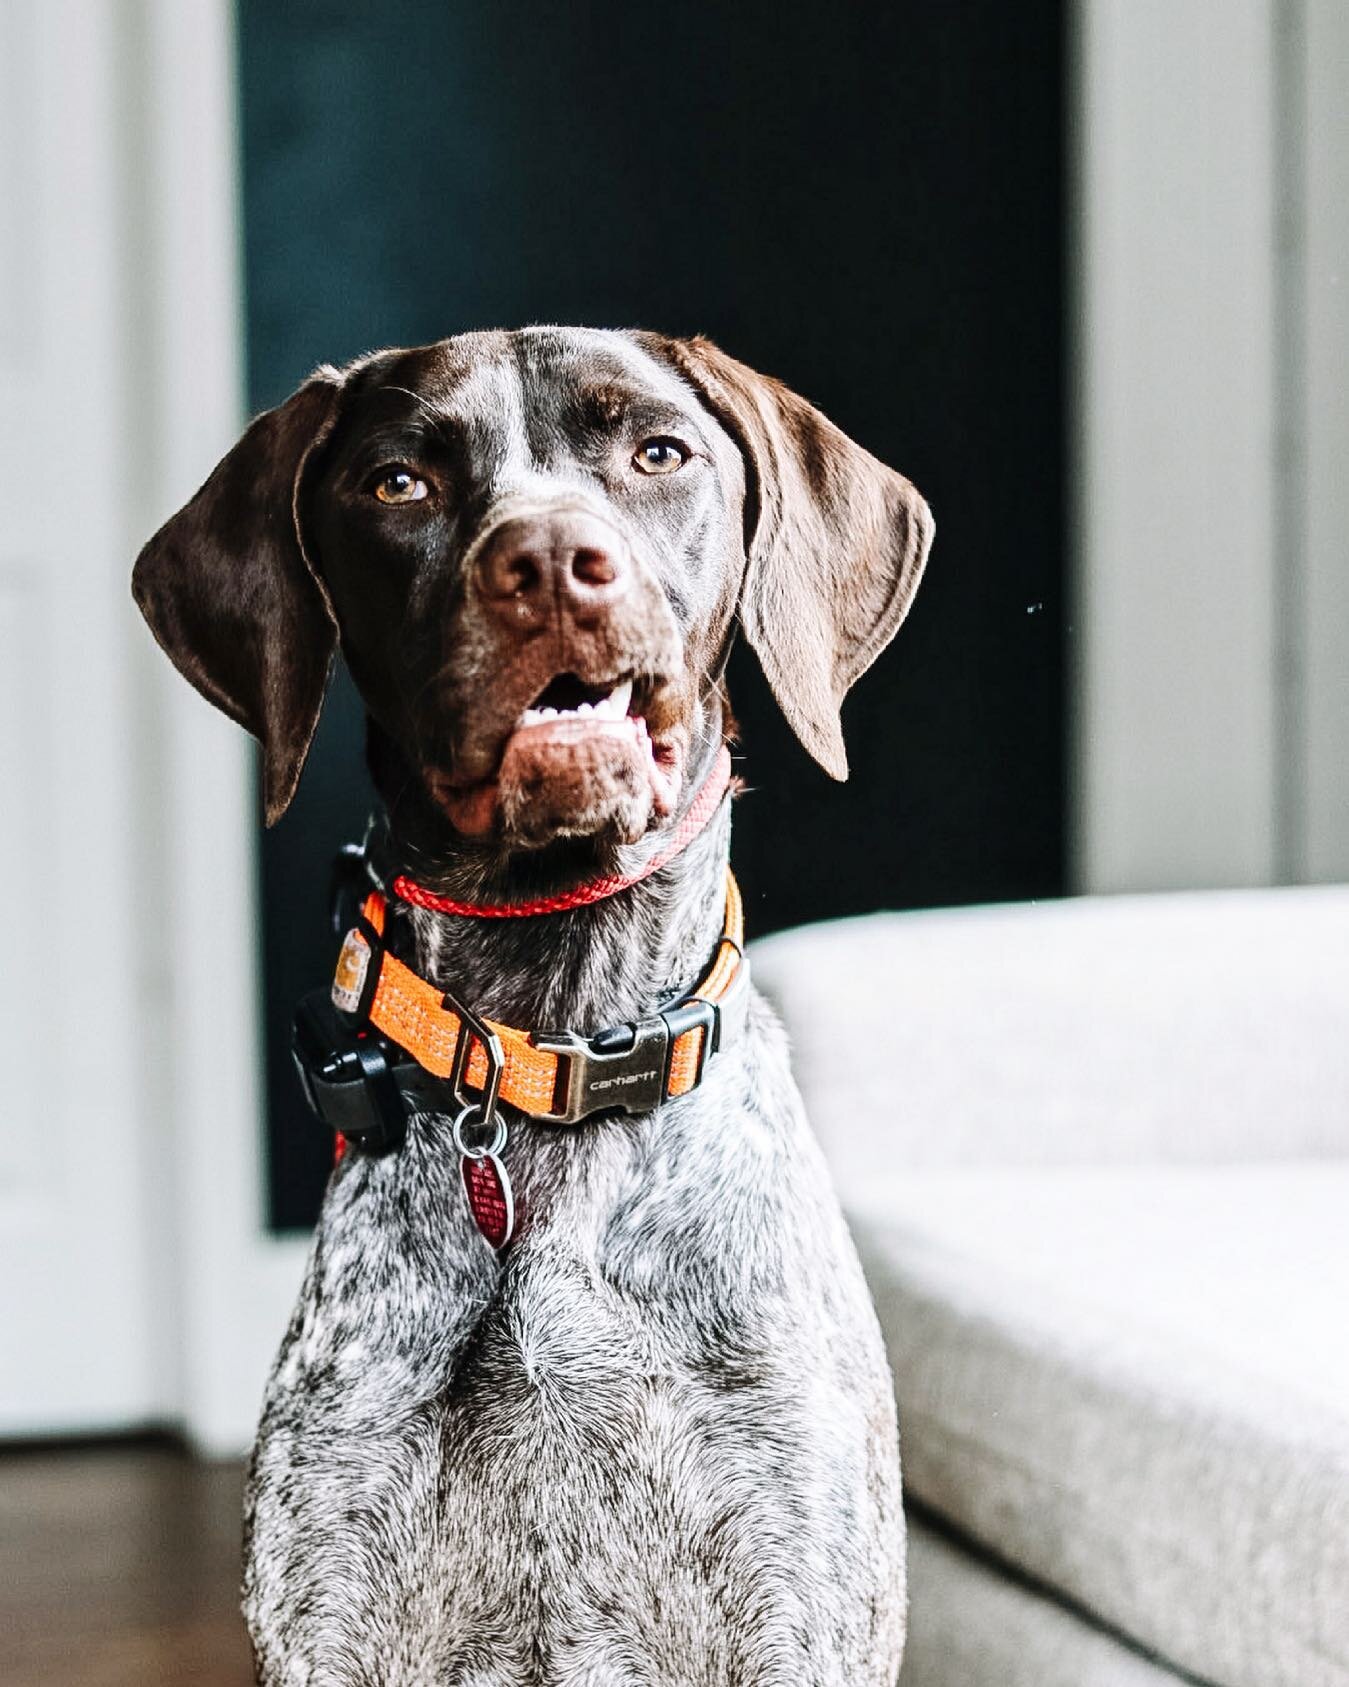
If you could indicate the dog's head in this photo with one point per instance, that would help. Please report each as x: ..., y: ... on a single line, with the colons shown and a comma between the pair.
x: 534, y: 548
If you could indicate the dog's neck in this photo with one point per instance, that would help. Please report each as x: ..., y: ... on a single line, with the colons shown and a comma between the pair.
x: 591, y: 967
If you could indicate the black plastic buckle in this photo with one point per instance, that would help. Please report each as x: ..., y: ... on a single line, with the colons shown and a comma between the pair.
x: 688, y: 1016
x: 627, y: 1069
x: 347, y: 1077
x: 357, y: 869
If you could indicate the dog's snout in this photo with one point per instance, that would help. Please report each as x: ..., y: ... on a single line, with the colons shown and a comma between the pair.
x: 564, y: 556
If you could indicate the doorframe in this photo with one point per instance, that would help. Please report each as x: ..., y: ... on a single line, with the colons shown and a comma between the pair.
x: 1172, y: 646
x: 236, y: 1282
x: 1211, y: 362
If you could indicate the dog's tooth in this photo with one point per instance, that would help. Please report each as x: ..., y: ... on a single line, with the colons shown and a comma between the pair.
x: 584, y: 709
x: 547, y: 714
x: 618, y: 699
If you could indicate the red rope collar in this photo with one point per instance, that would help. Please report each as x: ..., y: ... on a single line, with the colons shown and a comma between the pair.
x: 704, y: 806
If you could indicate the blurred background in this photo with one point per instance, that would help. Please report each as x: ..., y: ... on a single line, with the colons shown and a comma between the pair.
x: 1077, y: 267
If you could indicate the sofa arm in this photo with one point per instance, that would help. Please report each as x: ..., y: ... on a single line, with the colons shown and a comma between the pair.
x: 1192, y: 1027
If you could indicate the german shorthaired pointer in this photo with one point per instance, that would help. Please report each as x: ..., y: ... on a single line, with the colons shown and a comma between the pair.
x: 651, y: 1440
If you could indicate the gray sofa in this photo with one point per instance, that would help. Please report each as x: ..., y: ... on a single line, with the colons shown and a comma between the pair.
x: 1096, y: 1157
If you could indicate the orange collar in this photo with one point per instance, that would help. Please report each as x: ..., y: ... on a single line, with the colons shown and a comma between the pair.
x: 559, y: 1078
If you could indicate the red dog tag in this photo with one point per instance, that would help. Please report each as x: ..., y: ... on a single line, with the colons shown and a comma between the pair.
x: 490, y: 1199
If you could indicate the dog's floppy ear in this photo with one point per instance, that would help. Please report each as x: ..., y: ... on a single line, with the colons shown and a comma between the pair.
x: 835, y: 544
x: 232, y: 597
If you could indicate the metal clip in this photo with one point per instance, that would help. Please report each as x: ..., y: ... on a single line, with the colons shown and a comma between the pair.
x: 627, y: 1068
x: 471, y: 1029
x: 487, y: 1184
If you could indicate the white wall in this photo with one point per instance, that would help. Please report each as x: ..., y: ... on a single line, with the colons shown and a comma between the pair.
x: 1325, y: 272
x: 82, y: 1339
x: 1212, y: 611
x: 137, y: 1282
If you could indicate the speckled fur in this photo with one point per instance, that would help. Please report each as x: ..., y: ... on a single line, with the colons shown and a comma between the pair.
x: 654, y: 1445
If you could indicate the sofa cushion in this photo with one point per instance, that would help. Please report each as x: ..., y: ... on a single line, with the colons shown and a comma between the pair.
x: 1133, y: 1384
x: 972, y: 1625
x: 1129, y: 1028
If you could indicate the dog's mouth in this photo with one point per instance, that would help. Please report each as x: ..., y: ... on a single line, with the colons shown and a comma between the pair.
x: 568, y: 697
x: 584, y: 757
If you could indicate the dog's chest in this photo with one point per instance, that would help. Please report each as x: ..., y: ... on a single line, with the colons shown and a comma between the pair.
x: 587, y: 1468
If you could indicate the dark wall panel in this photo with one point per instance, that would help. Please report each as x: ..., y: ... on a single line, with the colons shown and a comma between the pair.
x: 863, y: 200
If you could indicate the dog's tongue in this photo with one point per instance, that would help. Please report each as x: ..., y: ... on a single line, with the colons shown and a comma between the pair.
x: 577, y: 778
x: 563, y: 777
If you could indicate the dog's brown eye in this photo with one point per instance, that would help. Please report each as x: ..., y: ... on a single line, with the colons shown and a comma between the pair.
x: 399, y: 486
x: 658, y: 456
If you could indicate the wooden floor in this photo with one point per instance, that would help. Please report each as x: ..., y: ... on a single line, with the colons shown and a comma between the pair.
x: 119, y: 1567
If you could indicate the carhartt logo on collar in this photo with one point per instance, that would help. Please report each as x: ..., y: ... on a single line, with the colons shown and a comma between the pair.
x: 353, y: 964
x: 623, y: 1078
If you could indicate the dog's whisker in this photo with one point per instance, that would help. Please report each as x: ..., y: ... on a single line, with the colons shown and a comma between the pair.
x: 435, y: 417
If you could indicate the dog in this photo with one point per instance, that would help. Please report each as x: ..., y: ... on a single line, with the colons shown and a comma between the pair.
x: 651, y: 1439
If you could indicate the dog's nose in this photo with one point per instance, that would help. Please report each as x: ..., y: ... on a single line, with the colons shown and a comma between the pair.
x: 564, y: 556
